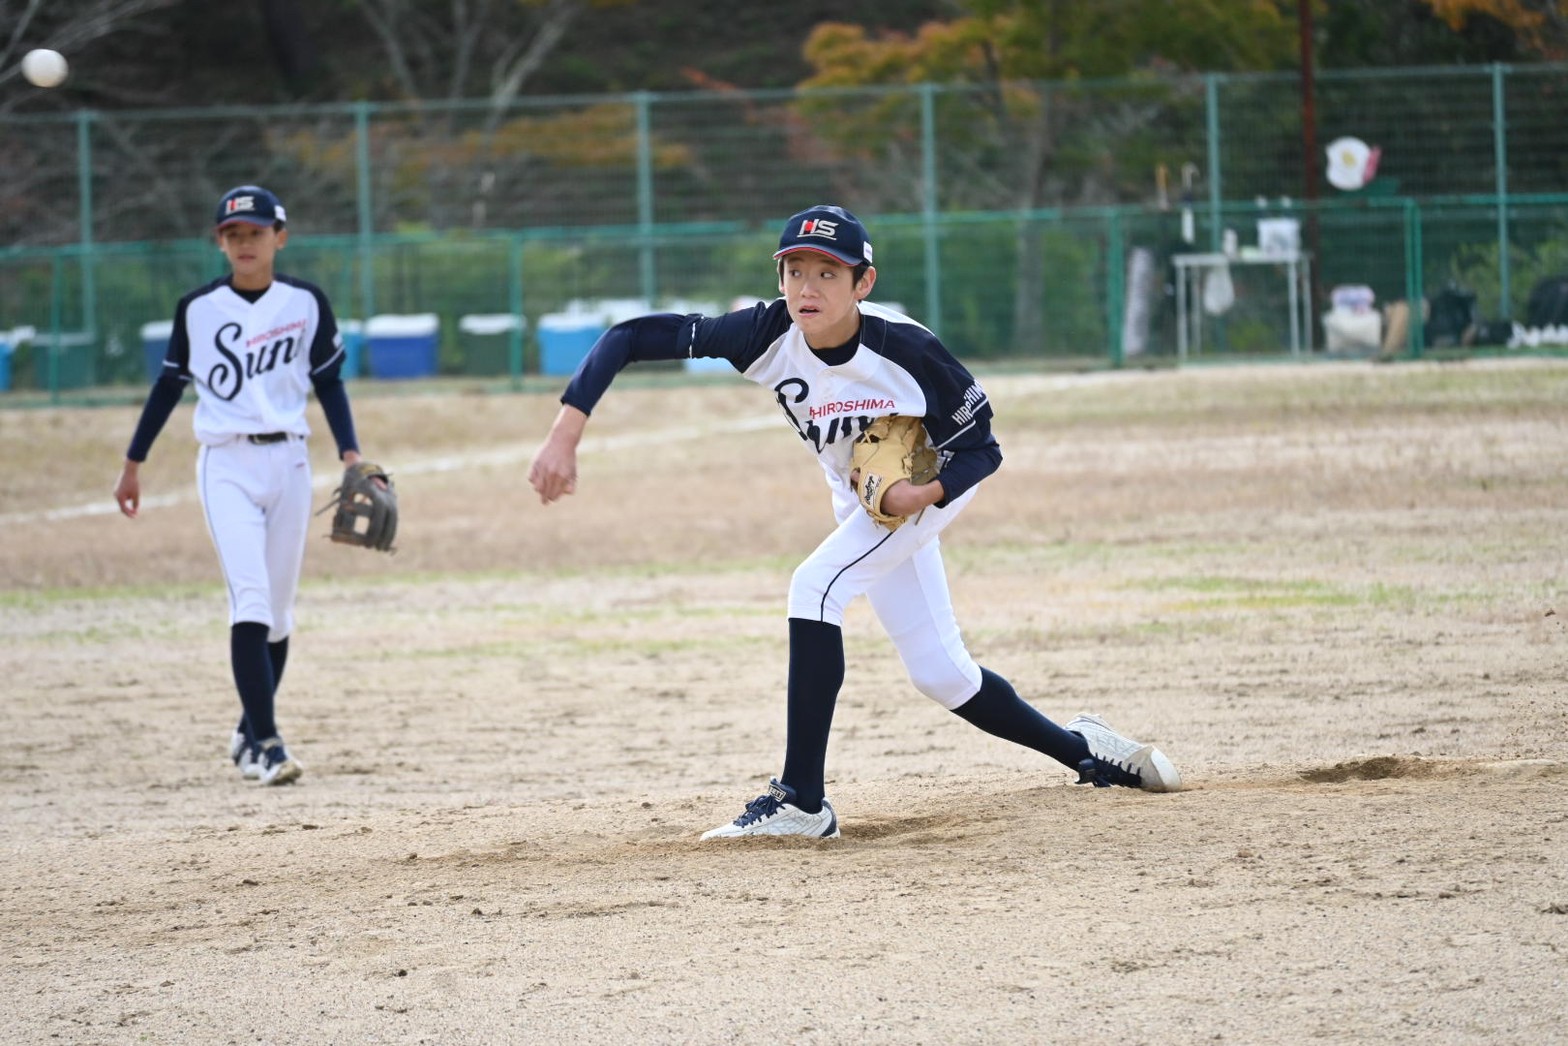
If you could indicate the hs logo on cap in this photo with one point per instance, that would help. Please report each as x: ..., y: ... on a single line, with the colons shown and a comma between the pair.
x: 819, y: 227
x: 240, y: 203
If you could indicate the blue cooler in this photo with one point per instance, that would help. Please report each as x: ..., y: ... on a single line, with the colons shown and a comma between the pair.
x: 155, y: 345
x: 565, y: 338
x: 5, y: 363
x: 353, y: 333
x: 402, y: 346
x: 708, y: 365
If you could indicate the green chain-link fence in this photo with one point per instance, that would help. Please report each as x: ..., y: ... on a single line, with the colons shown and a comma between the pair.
x: 1035, y: 222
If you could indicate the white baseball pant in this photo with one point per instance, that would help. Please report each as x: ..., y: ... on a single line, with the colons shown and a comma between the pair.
x: 256, y: 498
x: 902, y: 574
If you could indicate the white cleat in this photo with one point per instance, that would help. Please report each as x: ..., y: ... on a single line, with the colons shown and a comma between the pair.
x: 243, y: 753
x: 775, y: 813
x: 1117, y: 760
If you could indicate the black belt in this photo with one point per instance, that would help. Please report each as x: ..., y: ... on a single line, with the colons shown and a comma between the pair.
x: 267, y: 437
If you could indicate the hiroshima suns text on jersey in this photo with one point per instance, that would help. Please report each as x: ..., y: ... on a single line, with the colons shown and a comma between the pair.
x: 831, y: 397
x: 252, y: 361
x: 898, y: 367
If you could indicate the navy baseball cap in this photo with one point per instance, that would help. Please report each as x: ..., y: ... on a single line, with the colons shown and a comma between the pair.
x: 250, y: 204
x: 827, y: 230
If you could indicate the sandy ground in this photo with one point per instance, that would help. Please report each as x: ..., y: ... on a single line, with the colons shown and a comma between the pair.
x: 1334, y: 595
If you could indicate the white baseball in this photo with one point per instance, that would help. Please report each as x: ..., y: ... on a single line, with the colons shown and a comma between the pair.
x: 44, y: 68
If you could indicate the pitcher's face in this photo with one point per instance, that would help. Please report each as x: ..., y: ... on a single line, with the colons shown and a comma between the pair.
x: 823, y: 297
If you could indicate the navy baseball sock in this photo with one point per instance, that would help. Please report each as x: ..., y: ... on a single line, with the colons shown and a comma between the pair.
x: 997, y: 709
x: 249, y: 657
x: 816, y: 672
x: 278, y: 654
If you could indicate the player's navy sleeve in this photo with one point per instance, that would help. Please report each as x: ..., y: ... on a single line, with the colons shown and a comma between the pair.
x: 161, y: 401
x: 741, y: 336
x: 326, y: 374
x: 333, y: 398
x: 967, y: 467
x: 167, y: 388
x: 655, y: 337
x: 326, y: 351
x: 958, y: 419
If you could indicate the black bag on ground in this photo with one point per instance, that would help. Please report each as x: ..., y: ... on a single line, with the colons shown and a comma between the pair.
x: 1451, y: 315
x: 1548, y: 304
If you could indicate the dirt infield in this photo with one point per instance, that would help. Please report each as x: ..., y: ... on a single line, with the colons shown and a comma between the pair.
x: 1333, y: 594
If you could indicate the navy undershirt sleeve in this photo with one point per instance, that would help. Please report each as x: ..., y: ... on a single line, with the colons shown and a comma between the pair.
x: 161, y: 401
x: 958, y: 419
x: 655, y: 337
x: 967, y: 467
x: 326, y: 352
x: 326, y: 375
x: 333, y: 398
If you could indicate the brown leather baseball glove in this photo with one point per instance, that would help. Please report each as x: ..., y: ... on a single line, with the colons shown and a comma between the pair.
x: 892, y: 448
x: 365, y: 512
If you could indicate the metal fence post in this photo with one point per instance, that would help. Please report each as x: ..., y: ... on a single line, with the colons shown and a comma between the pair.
x: 514, y: 281
x: 929, y: 210
x: 1211, y: 101
x: 1115, y: 286
x: 1415, y: 337
x: 367, y: 276
x: 84, y: 182
x: 1500, y: 162
x: 56, y: 308
x: 645, y: 196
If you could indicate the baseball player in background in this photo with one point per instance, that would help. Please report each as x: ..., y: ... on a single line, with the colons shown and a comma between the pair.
x: 835, y: 363
x: 254, y: 343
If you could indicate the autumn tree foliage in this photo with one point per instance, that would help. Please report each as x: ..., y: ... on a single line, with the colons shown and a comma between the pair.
x: 1024, y: 56
x: 1541, y: 26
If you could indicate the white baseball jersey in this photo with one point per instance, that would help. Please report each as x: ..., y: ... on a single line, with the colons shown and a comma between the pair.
x: 896, y: 366
x: 252, y: 362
